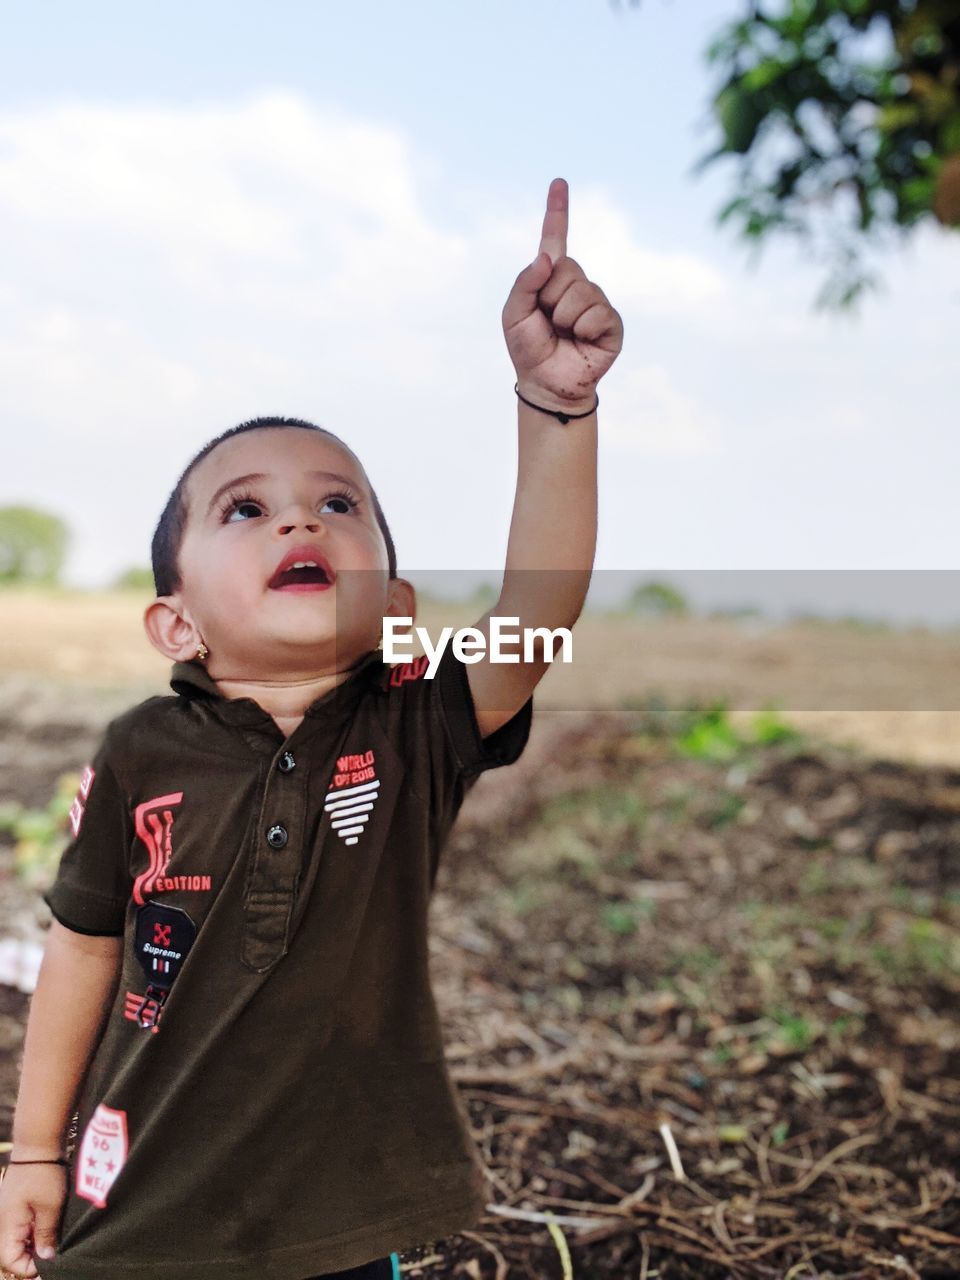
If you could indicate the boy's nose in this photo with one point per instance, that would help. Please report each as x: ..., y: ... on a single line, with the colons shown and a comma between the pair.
x: 298, y: 515
x: 303, y: 524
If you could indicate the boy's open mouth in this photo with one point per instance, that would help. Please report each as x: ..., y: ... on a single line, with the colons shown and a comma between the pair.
x: 302, y: 569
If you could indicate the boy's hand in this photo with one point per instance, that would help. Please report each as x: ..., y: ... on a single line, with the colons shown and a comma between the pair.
x: 31, y: 1202
x: 562, y: 333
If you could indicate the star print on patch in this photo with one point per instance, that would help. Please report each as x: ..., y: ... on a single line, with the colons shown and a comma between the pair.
x: 352, y: 795
x: 103, y: 1153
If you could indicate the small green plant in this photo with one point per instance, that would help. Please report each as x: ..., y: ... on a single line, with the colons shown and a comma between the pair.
x: 582, y: 832
x: 711, y: 736
x: 831, y: 927
x: 769, y: 727
x: 40, y: 835
x: 885, y: 958
x: 816, y: 878
x: 605, y: 805
x: 697, y: 961
x: 926, y: 947
x: 931, y: 947
x: 795, y: 1030
x: 841, y: 1027
x: 907, y: 898
x: 523, y: 897
x: 619, y: 917
x: 727, y: 809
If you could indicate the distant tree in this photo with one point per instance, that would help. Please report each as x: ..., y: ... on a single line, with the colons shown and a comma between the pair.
x: 656, y: 599
x: 33, y: 545
x: 134, y: 579
x: 822, y: 121
x: 736, y: 611
x: 482, y: 596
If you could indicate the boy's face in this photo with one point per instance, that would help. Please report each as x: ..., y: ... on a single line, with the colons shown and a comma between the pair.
x: 260, y: 502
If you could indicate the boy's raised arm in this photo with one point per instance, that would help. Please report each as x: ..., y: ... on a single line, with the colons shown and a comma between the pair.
x: 562, y: 335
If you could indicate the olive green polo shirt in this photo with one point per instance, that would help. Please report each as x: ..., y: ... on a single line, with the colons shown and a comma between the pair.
x: 269, y: 1097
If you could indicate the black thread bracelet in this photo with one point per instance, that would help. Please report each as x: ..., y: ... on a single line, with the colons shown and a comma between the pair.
x: 554, y: 413
x: 59, y: 1160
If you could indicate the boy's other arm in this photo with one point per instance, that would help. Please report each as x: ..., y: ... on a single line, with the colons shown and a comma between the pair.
x: 74, y: 993
x: 562, y: 335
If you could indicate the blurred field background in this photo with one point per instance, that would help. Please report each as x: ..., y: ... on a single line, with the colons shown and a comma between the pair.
x: 697, y: 953
x: 893, y: 692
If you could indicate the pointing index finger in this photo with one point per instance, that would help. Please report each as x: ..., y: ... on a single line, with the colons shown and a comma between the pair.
x: 553, y: 238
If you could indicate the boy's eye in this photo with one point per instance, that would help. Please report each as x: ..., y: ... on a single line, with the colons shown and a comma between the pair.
x: 340, y: 504
x: 242, y: 509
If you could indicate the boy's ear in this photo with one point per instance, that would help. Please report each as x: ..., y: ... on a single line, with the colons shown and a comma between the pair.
x: 170, y: 630
x: 401, y: 599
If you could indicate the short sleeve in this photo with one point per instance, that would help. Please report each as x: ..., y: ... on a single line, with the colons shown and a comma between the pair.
x: 92, y: 885
x: 458, y: 718
x: 435, y: 725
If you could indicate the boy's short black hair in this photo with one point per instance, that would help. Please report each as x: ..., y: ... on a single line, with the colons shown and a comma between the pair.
x: 165, y: 548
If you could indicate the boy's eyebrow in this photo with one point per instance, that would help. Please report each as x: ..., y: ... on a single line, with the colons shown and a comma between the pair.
x: 260, y: 475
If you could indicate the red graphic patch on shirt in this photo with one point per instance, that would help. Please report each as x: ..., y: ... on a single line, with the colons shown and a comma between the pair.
x: 103, y: 1153
x: 352, y: 794
x: 353, y: 769
x: 412, y: 670
x: 78, y: 808
x: 145, y: 1011
x: 154, y: 825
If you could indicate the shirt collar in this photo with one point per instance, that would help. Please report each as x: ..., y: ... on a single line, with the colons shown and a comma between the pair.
x: 192, y: 680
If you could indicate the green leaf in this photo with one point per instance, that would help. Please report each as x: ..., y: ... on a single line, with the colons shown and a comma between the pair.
x: 712, y: 737
x: 918, y: 191
x: 897, y: 115
x: 619, y: 917
x: 765, y: 73
x: 778, y: 1134
x: 768, y: 727
x: 738, y: 202
x: 739, y: 118
x: 949, y: 136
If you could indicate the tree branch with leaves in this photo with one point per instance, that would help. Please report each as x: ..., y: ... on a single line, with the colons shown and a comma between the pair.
x: 845, y: 116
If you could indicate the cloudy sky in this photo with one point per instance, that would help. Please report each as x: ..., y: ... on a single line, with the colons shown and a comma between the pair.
x: 213, y: 211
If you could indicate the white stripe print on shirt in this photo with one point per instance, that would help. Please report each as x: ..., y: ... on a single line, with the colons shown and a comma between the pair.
x: 351, y: 798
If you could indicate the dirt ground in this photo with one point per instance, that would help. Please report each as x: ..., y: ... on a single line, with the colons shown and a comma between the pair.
x: 702, y: 1011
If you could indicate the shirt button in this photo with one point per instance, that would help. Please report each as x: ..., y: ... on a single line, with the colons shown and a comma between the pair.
x: 277, y: 837
x: 286, y: 763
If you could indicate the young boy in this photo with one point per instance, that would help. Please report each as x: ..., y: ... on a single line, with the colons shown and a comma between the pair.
x: 235, y: 996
